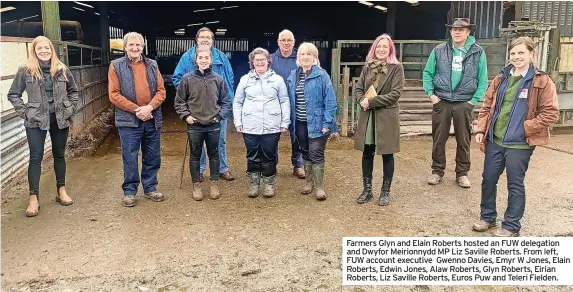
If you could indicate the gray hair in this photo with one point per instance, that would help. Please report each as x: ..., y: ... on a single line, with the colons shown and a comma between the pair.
x: 309, y: 47
x: 133, y: 35
x: 260, y: 51
x: 283, y: 32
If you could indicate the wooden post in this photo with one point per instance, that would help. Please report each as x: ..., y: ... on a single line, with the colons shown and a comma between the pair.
x: 345, y: 90
x: 51, y: 20
x: 335, y: 68
x: 554, y: 53
x: 518, y: 10
x: 335, y: 77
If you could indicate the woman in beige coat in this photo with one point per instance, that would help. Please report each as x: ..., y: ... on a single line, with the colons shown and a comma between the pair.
x: 378, y: 129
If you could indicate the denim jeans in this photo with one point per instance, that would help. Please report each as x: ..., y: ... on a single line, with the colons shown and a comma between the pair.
x: 296, y: 155
x: 515, y: 162
x: 208, y: 134
x: 312, y: 149
x: 36, y: 139
x: 223, y: 166
x: 146, y: 136
x: 262, y: 153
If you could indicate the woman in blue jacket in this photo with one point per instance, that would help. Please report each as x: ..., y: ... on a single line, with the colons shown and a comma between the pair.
x: 313, y: 115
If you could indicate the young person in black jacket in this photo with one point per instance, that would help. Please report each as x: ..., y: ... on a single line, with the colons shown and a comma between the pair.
x: 203, y: 100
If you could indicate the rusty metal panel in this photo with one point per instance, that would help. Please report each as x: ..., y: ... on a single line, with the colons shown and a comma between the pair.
x: 556, y: 12
x: 487, y: 15
x: 14, y: 145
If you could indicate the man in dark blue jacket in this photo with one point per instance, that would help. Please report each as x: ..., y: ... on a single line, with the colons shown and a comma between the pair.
x: 283, y: 62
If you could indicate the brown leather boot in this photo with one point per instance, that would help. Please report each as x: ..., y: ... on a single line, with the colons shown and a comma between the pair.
x: 128, y: 200
x: 62, y: 197
x: 197, y: 193
x: 214, y: 193
x: 298, y: 172
x: 33, y: 205
x: 227, y: 176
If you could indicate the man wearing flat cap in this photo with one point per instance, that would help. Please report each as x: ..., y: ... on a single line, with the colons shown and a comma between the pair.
x: 455, y: 79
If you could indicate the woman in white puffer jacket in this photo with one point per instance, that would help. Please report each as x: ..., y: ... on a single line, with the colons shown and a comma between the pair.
x: 261, y: 111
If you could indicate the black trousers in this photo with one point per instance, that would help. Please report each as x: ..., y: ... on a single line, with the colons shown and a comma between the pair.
x: 36, y: 139
x: 199, y: 134
x: 312, y: 149
x: 368, y: 162
x: 262, y: 153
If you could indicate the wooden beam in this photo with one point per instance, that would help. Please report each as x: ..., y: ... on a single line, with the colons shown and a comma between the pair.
x: 51, y: 20
x: 518, y: 10
x: 345, y: 92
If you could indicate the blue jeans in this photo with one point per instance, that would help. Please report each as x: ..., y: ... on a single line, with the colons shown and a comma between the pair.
x: 149, y: 138
x: 296, y: 155
x: 515, y: 162
x: 223, y: 167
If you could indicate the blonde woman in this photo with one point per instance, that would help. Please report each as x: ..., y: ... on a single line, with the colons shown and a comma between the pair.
x: 52, y: 100
x: 313, y: 115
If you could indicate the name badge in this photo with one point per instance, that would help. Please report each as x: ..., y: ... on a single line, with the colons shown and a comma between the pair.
x: 523, y: 93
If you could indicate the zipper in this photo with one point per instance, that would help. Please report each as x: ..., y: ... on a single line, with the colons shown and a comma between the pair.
x: 516, y: 98
x: 499, y: 101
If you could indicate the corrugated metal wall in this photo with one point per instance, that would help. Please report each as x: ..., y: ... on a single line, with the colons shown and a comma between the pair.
x: 90, y: 76
x: 169, y: 46
x: 486, y: 15
x: 557, y: 12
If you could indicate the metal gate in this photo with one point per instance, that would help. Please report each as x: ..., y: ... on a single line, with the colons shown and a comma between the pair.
x: 349, y: 57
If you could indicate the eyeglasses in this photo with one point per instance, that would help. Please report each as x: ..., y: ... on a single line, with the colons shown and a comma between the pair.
x: 260, y: 60
x: 286, y: 41
x: 205, y: 37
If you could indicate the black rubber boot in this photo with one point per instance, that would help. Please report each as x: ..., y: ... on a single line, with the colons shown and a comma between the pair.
x: 385, y: 195
x: 367, y: 194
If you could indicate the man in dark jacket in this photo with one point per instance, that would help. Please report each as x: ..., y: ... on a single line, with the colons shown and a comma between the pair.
x: 455, y: 79
x: 137, y: 91
x: 283, y: 62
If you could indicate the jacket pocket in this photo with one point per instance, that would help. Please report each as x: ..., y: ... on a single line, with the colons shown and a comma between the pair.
x: 273, y: 119
x: 68, y: 109
x: 317, y: 118
x: 32, y: 89
x: 251, y: 120
x: 33, y: 113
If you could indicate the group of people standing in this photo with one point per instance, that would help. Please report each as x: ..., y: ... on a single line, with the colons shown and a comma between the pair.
x: 288, y: 92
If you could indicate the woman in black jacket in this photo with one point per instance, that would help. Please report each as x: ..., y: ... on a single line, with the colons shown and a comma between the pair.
x: 52, y: 100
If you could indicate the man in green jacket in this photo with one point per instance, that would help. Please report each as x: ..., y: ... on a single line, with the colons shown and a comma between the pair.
x: 455, y: 79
